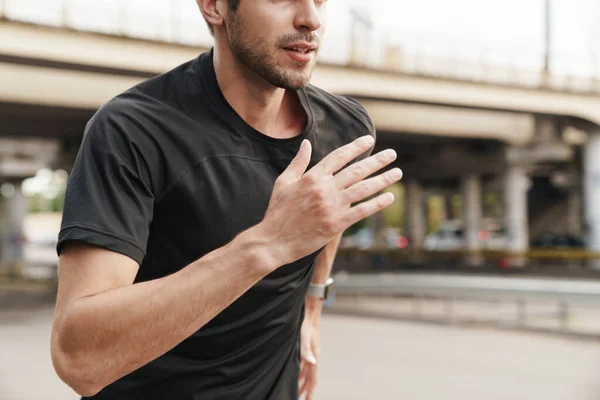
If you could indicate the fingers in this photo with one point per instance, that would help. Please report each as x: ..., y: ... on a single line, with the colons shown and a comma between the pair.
x: 302, y: 378
x: 367, y: 208
x: 363, y: 189
x: 300, y: 163
x: 311, y: 381
x: 308, y: 380
x: 362, y: 169
x: 342, y: 156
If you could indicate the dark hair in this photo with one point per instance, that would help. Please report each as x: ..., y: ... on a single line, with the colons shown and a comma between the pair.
x: 233, y: 6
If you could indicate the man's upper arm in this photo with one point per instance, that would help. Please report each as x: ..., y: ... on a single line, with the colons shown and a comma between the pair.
x: 110, y: 195
x: 108, y: 208
x: 85, y: 270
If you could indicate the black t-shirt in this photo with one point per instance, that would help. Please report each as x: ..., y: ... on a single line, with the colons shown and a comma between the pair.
x: 167, y: 172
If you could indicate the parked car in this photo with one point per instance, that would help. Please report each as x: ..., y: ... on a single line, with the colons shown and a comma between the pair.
x: 39, y: 246
x: 364, y: 239
x: 558, y: 240
x: 41, y: 260
x: 451, y: 236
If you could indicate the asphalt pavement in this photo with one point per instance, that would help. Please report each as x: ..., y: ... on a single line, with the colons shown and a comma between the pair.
x: 362, y: 358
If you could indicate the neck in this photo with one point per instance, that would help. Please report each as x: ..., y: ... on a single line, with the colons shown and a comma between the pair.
x: 271, y: 110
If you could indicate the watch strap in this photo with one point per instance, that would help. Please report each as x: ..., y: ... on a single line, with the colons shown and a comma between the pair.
x: 320, y: 290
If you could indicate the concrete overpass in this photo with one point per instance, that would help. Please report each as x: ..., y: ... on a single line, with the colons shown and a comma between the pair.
x: 55, y: 67
x: 53, y: 79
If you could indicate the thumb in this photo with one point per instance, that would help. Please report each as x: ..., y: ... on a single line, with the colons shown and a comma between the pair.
x: 310, y: 358
x: 307, y: 353
x: 300, y: 163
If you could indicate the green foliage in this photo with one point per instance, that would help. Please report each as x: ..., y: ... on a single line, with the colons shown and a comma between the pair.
x: 393, y: 216
x: 436, y: 212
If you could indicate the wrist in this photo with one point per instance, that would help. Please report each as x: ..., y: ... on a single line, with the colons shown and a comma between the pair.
x: 261, y: 248
x: 313, y: 305
x: 312, y: 311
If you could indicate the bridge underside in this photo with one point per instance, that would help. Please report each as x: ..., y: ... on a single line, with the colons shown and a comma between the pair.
x: 447, y: 133
x: 39, y: 121
x: 442, y: 161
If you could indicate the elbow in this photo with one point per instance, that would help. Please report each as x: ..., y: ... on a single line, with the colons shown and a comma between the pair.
x: 72, y: 370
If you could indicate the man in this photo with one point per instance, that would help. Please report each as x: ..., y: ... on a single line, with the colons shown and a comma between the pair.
x: 202, y: 204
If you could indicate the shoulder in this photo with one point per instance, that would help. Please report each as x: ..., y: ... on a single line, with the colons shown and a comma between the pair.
x: 115, y: 143
x: 342, y: 111
x: 143, y: 105
x: 124, y: 128
x: 120, y: 119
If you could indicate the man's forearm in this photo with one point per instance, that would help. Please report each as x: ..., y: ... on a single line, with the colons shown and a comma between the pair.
x: 106, y: 336
x: 322, y: 271
x: 325, y: 261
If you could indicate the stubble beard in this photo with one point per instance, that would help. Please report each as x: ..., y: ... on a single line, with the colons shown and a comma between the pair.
x: 258, y: 56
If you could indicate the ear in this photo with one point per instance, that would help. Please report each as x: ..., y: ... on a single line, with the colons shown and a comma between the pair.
x: 213, y: 11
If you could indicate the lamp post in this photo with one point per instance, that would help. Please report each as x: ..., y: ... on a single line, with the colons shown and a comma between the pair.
x: 547, y: 39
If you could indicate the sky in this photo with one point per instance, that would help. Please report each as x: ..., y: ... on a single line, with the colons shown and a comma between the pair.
x: 518, y: 22
x: 513, y: 29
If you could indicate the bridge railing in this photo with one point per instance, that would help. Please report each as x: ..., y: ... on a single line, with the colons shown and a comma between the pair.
x: 465, y: 286
x: 572, y: 303
x: 179, y: 21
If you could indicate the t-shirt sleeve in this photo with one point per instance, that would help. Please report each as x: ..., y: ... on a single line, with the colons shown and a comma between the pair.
x: 109, y: 201
x: 363, y: 124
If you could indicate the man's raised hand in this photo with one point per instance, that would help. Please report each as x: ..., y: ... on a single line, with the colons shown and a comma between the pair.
x: 307, y: 209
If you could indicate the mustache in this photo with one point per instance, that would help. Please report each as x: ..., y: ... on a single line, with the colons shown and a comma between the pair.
x: 311, y: 37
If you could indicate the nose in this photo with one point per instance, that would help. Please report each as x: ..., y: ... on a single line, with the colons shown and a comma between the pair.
x: 308, y: 17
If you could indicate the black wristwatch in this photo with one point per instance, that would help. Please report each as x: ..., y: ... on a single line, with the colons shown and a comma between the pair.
x: 321, y: 291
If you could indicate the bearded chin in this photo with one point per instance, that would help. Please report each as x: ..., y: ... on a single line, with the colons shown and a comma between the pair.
x: 282, y: 79
x: 256, y: 56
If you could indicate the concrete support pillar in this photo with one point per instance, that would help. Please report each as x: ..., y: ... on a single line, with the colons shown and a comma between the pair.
x: 18, y: 209
x: 591, y: 179
x: 472, y: 210
x: 415, y: 217
x: 13, y: 210
x: 515, y: 209
x: 574, y: 211
x: 4, y: 233
x: 450, y: 214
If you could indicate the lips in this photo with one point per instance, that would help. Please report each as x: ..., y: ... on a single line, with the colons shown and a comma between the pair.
x: 301, y: 57
x: 301, y: 52
x: 299, y: 49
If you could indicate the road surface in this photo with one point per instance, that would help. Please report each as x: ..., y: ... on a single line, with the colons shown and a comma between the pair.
x: 363, y: 358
